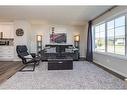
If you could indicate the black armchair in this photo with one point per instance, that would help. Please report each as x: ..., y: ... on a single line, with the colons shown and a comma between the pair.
x: 26, y: 57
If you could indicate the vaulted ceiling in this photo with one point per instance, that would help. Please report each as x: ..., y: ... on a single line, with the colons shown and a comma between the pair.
x: 54, y: 14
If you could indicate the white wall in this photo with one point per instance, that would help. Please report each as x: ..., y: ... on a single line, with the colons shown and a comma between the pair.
x: 32, y: 29
x: 114, y: 63
x: 21, y: 40
x: 44, y: 29
x: 83, y: 41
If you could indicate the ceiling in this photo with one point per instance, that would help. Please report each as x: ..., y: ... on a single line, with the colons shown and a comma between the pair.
x: 76, y: 15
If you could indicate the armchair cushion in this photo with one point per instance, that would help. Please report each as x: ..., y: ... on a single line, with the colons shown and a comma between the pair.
x: 22, y: 51
x: 28, y: 57
x: 24, y: 55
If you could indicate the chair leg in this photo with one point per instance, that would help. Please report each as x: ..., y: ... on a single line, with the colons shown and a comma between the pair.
x: 38, y: 63
x: 34, y: 66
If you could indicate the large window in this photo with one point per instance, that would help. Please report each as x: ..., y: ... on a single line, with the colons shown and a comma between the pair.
x: 110, y: 36
x: 100, y: 38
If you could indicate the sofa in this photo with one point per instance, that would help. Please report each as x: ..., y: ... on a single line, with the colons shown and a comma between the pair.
x: 59, y: 51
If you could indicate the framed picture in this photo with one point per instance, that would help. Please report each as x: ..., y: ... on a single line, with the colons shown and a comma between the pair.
x: 58, y: 38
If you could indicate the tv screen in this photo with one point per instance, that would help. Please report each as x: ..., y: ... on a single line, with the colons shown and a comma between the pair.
x: 58, y: 38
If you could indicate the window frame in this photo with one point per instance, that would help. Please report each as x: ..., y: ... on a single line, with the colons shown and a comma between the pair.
x: 106, y: 21
x: 115, y: 32
x: 99, y: 33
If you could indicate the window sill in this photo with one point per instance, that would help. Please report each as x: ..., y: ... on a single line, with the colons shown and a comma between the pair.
x: 112, y: 55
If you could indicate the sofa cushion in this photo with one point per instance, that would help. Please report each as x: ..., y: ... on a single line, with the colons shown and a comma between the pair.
x: 51, y: 50
x: 69, y: 50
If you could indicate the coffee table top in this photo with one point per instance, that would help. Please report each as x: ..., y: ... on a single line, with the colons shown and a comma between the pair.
x: 60, y: 58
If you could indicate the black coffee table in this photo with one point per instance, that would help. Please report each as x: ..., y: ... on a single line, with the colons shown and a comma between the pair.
x: 60, y: 64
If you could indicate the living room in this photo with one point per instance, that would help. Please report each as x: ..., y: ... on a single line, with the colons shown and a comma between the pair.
x: 37, y: 26
x: 32, y: 28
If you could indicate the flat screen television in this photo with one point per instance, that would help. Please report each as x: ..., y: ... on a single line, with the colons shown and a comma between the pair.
x: 58, y: 38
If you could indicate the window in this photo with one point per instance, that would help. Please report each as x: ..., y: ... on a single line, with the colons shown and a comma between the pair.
x: 114, y: 34
x: 110, y: 36
x: 100, y: 38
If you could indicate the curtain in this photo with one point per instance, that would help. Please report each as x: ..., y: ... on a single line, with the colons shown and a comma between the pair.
x: 89, y: 53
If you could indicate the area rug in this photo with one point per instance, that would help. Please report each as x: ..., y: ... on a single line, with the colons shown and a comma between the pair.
x: 83, y: 76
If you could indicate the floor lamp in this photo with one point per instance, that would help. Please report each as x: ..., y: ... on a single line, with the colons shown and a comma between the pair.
x: 76, y: 41
x: 39, y: 43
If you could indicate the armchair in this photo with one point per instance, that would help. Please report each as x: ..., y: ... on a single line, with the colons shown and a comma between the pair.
x: 26, y: 57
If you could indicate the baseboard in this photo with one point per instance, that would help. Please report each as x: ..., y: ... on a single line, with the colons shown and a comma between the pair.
x: 17, y: 59
x: 111, y: 71
x: 82, y: 59
x: 6, y: 59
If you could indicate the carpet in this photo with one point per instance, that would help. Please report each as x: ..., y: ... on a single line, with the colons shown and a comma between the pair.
x: 83, y: 76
